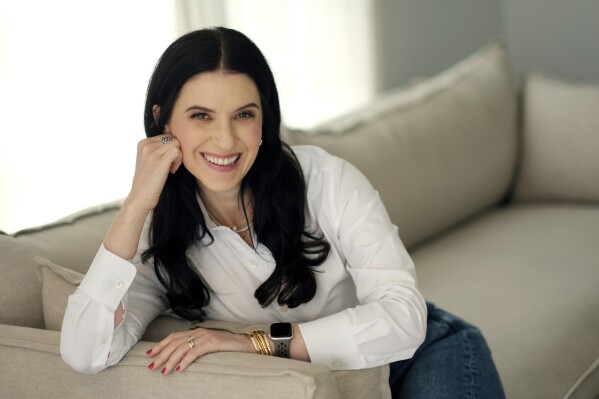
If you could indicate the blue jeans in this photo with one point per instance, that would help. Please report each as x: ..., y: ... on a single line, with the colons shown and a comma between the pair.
x: 453, y: 362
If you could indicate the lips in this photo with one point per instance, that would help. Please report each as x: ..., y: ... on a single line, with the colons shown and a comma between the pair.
x: 221, y: 161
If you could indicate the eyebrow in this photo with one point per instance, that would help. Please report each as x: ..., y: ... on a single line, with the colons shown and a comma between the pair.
x: 206, y: 109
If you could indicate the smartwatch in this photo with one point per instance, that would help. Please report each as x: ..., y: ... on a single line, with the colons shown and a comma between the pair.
x: 281, y: 334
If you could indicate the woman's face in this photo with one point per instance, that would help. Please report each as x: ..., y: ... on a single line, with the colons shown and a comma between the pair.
x: 218, y: 121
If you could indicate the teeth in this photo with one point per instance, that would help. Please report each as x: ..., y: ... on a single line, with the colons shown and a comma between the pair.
x: 221, y: 161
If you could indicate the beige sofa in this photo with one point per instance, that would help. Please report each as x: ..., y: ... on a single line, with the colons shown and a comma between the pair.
x: 497, y: 200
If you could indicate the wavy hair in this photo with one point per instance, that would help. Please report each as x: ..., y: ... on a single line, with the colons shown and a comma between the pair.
x: 275, y: 181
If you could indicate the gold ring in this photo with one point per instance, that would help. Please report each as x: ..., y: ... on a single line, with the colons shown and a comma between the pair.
x: 190, y: 341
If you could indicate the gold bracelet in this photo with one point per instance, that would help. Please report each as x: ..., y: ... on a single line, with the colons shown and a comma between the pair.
x: 258, y: 338
x: 255, y: 343
x: 264, y: 343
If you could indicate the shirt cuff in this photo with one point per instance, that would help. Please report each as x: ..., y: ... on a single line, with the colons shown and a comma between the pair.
x: 108, y: 279
x: 330, y: 342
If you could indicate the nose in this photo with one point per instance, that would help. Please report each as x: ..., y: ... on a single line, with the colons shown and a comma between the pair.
x: 224, y: 136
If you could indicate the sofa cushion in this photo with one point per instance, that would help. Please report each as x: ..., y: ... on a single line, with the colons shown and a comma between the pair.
x: 71, y: 242
x: 438, y: 151
x: 31, y: 367
x: 587, y: 385
x: 527, y: 276
x: 20, y: 293
x: 560, y: 159
x: 58, y: 283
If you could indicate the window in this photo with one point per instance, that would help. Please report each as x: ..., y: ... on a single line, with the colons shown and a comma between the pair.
x: 73, y: 76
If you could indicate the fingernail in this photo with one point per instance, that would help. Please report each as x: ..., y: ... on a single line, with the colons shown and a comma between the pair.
x: 163, y: 371
x: 178, y: 368
x: 151, y: 366
x: 149, y: 352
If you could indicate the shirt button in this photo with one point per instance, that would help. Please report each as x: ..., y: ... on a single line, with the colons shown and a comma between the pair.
x: 386, y: 359
x: 336, y: 365
x: 118, y: 284
x: 283, y: 309
x: 253, y: 263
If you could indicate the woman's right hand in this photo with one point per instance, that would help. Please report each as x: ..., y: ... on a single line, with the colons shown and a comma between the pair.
x: 155, y: 160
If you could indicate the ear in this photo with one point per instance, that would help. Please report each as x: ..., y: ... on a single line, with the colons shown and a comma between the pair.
x: 156, y: 114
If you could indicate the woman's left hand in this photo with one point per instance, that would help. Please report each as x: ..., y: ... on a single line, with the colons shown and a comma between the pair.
x: 176, y: 353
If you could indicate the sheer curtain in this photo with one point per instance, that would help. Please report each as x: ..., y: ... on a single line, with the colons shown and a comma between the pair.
x: 322, y: 53
x: 73, y: 75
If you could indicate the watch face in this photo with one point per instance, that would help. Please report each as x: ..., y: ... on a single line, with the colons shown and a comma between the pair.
x: 281, y: 330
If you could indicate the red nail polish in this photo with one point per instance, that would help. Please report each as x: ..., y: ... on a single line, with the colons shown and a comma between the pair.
x: 178, y: 368
x: 151, y: 366
x: 149, y: 352
x: 163, y: 371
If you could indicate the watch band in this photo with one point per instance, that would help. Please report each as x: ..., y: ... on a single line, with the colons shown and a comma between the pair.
x: 282, y: 349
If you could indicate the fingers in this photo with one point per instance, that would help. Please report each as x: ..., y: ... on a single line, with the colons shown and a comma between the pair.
x: 177, y: 348
x: 156, y: 158
x: 174, y: 353
x: 158, y: 150
x: 169, y: 352
x: 176, y: 163
x: 168, y: 143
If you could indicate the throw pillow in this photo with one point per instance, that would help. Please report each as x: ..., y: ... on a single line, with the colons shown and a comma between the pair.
x: 560, y: 141
x: 439, y: 151
x: 58, y: 283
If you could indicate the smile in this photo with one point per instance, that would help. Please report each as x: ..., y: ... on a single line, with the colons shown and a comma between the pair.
x: 221, y: 161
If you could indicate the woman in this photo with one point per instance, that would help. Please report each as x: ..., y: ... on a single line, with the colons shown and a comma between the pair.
x: 226, y: 222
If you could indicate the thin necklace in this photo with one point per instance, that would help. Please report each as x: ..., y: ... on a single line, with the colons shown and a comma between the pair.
x: 234, y: 228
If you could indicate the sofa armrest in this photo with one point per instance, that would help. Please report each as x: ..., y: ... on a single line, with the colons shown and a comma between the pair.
x: 32, y: 367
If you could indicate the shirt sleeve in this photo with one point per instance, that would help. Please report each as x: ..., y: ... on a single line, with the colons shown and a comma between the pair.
x: 389, y: 323
x: 89, y: 340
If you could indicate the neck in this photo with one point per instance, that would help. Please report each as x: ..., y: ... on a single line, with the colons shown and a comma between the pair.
x: 226, y: 209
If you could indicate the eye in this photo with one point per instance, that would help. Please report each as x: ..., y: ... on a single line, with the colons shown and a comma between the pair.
x: 245, y: 115
x: 200, y: 115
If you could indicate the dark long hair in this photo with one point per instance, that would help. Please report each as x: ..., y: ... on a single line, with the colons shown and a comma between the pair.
x: 275, y: 181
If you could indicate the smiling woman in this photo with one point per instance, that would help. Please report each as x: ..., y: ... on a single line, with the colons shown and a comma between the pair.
x: 218, y: 122
x: 70, y: 97
x: 215, y: 187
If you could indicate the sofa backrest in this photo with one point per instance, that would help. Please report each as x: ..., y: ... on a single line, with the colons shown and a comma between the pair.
x: 71, y: 242
x: 560, y: 140
x: 438, y: 151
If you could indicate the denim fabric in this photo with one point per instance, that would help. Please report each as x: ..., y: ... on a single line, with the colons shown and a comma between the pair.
x: 453, y: 362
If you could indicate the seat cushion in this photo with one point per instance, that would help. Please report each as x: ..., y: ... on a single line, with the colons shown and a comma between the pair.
x: 438, y: 151
x: 528, y: 277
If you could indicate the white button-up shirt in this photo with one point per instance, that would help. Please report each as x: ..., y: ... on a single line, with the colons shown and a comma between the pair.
x: 367, y: 310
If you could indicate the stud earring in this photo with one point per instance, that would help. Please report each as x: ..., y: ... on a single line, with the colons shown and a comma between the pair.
x: 260, y: 141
